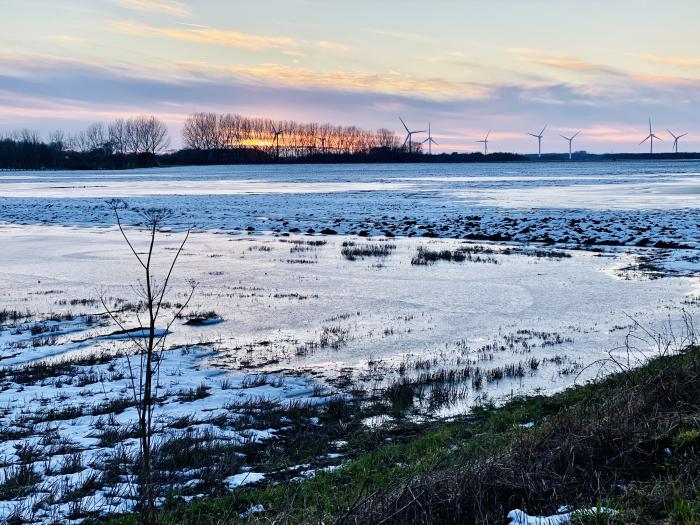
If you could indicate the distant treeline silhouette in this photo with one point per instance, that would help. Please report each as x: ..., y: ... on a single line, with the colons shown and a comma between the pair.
x: 123, y: 143
x: 284, y: 138
x: 210, y: 138
x: 191, y: 157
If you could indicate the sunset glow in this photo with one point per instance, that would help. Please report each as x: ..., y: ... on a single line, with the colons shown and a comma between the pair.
x: 465, y: 67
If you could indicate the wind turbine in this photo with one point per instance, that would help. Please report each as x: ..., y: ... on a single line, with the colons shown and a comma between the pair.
x: 539, y: 140
x: 430, y: 141
x: 277, y: 133
x: 409, y: 135
x: 675, y: 140
x: 570, y: 139
x: 485, y: 142
x: 650, y: 137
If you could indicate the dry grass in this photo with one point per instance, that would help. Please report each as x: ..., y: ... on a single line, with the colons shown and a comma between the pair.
x: 623, y: 435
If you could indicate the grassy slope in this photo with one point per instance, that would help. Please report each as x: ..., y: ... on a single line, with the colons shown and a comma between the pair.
x: 631, y: 442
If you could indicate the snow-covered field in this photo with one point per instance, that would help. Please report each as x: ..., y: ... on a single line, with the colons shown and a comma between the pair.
x: 621, y: 203
x: 552, y: 266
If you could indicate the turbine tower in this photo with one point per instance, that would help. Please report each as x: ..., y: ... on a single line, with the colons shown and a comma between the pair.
x: 430, y: 141
x: 676, y: 138
x: 485, y: 142
x: 277, y: 133
x: 650, y: 137
x: 323, y: 143
x: 570, y: 139
x: 539, y: 140
x: 409, y: 135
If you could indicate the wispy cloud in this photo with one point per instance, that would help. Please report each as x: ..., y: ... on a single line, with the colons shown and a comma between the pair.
x: 569, y: 64
x: 66, y: 39
x: 392, y: 82
x: 401, y: 35
x: 272, y: 75
x: 207, y: 35
x: 522, y: 51
x: 224, y: 38
x: 166, y: 7
x: 27, y: 65
x: 561, y: 61
x: 220, y: 37
x: 336, y: 46
x: 453, y: 59
x: 14, y: 105
x: 673, y: 61
x: 665, y: 81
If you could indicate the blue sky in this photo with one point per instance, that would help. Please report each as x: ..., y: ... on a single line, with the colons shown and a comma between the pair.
x: 510, y: 66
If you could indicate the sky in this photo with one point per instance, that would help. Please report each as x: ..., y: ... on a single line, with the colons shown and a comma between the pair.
x: 506, y: 66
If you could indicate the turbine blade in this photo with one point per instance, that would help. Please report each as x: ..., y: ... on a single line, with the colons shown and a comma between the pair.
x: 642, y: 142
x: 404, y: 124
x: 487, y: 135
x: 533, y: 135
x: 576, y: 134
x: 681, y: 136
x: 545, y: 127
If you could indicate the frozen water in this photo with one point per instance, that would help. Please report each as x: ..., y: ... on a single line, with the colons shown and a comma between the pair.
x: 292, y: 314
x: 296, y: 305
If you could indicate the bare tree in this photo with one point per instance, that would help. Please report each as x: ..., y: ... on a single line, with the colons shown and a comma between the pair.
x: 58, y: 140
x: 387, y: 139
x: 26, y: 136
x: 153, y: 134
x: 117, y: 134
x: 90, y: 139
x: 96, y: 136
x: 148, y: 341
x: 77, y: 142
x: 229, y: 131
x: 134, y: 137
x: 201, y: 131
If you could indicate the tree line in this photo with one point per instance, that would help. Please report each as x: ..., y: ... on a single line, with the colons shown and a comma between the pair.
x: 122, y: 143
x: 283, y: 138
x: 210, y: 138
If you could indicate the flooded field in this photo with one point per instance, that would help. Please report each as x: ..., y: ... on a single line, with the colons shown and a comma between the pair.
x: 400, y: 292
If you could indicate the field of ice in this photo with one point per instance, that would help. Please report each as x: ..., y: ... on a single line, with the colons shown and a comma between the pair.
x: 318, y: 283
